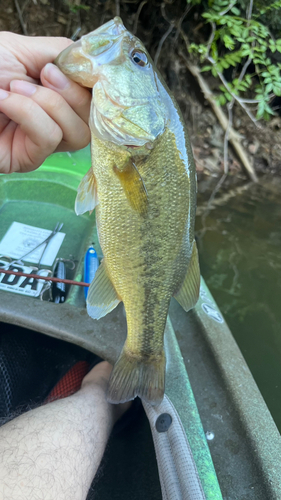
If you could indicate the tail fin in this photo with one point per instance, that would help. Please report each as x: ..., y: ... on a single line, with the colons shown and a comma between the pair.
x: 137, y: 376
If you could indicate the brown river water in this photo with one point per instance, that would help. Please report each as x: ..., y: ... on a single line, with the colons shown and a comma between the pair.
x: 239, y: 244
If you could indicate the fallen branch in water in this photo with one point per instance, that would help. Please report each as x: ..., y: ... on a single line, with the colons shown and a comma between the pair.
x: 205, y: 207
x: 233, y: 137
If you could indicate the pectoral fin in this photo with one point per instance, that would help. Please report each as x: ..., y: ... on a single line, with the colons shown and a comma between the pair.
x: 188, y: 294
x: 102, y: 297
x: 133, y: 186
x: 86, y: 198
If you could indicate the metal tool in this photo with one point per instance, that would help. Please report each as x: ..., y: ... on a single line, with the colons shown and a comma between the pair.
x: 47, y: 241
x: 56, y: 230
x: 58, y: 289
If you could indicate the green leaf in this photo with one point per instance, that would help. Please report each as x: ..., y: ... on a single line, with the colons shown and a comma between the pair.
x: 268, y: 109
x: 221, y: 100
x: 76, y: 8
x: 236, y: 31
x: 229, y: 23
x: 268, y: 88
x: 228, y: 42
x: 242, y: 86
x: 260, y: 110
x: 258, y: 60
x: 206, y: 68
x: 214, y: 72
x: 277, y: 90
x: 246, y: 52
x: 224, y: 64
x: 272, y: 68
x: 214, y: 51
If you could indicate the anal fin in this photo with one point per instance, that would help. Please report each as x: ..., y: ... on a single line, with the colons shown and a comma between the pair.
x: 188, y: 293
x: 102, y: 297
x: 133, y: 186
x: 86, y: 198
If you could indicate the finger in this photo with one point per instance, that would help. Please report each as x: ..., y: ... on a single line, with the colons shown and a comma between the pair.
x: 77, y: 97
x: 76, y: 133
x: 39, y: 133
x: 5, y: 78
x: 11, y: 66
x: 4, y: 120
x: 34, y: 52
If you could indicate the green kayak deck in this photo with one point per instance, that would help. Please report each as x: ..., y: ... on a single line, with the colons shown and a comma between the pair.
x: 204, y: 362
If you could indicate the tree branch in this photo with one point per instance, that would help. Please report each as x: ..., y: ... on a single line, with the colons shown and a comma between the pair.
x: 234, y: 138
x: 241, y: 102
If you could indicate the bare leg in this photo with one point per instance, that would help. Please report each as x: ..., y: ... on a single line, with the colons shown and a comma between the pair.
x: 53, y: 452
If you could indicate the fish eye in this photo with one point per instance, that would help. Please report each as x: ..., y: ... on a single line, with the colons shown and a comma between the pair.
x: 139, y: 58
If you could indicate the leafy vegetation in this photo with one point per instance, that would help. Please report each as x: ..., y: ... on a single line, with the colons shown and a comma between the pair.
x: 242, y: 47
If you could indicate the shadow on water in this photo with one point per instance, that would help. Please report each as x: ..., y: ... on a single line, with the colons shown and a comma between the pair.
x: 239, y: 244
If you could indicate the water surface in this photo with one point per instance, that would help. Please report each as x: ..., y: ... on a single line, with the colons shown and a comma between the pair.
x: 239, y: 244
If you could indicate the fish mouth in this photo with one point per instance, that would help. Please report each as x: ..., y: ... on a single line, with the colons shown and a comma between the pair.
x: 114, y: 27
x: 81, y: 61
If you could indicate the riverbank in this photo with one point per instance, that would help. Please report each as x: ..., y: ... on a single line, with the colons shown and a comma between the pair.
x: 148, y: 21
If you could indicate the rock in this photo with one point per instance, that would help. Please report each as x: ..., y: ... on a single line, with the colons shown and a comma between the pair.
x: 253, y: 147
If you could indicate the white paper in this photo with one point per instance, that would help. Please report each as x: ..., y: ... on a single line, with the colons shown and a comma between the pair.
x: 21, y: 238
x: 21, y: 284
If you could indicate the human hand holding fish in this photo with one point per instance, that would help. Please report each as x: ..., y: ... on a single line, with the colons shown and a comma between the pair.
x: 41, y: 110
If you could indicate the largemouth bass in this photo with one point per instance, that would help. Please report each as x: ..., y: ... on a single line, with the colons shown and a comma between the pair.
x: 142, y: 184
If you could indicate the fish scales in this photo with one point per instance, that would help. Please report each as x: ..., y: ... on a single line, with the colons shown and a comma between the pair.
x: 147, y: 267
x: 144, y: 194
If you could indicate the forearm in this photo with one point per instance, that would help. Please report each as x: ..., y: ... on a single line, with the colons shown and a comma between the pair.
x: 53, y: 452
